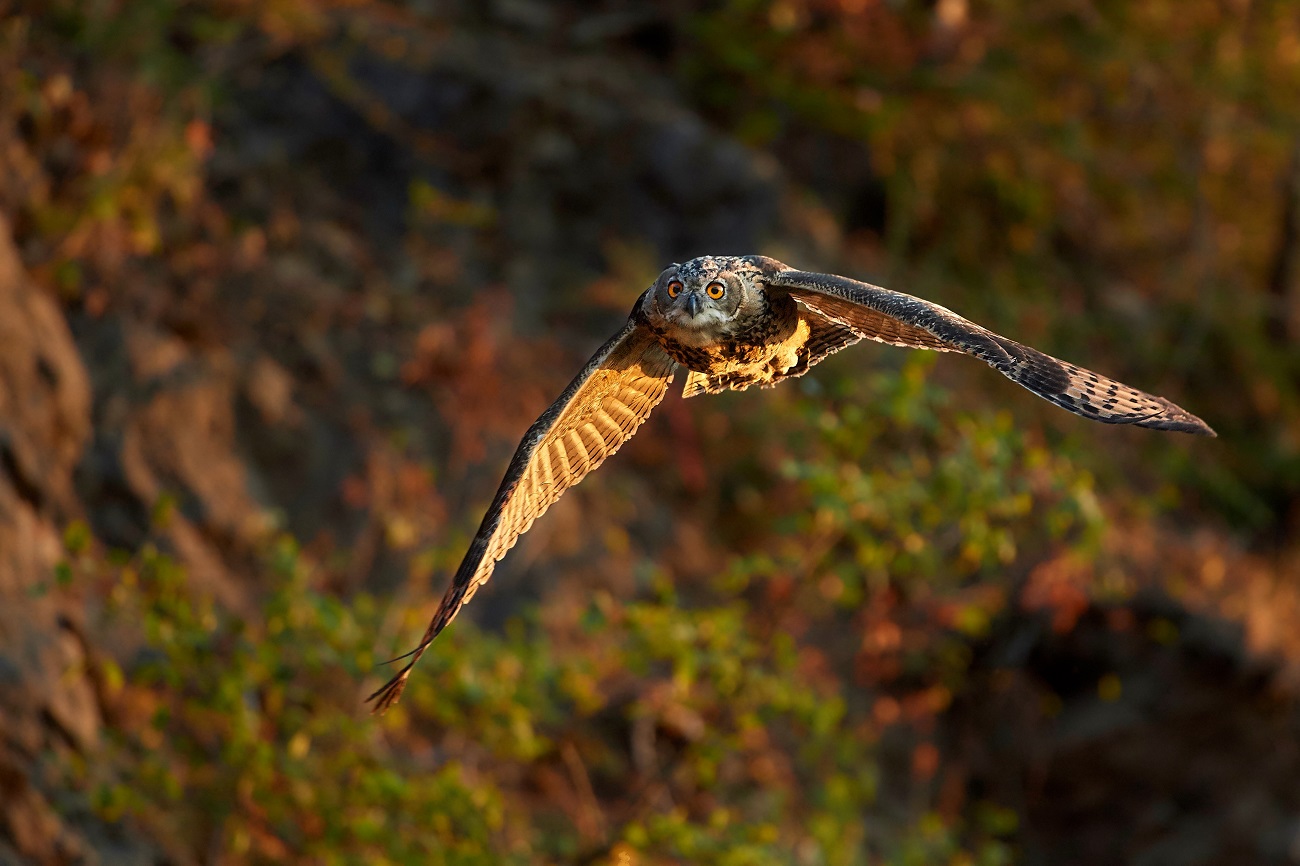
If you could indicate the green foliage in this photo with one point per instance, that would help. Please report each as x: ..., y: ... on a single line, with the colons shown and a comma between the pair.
x: 908, y: 492
x: 168, y: 42
x: 251, y: 735
x: 253, y: 740
x: 1126, y: 161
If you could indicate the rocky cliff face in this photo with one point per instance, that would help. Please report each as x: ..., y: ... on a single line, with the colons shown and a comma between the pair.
x: 47, y: 697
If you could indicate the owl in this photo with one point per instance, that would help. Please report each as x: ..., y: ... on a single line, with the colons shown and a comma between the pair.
x: 731, y: 323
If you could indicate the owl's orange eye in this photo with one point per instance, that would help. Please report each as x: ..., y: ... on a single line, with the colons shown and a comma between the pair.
x: 674, y: 288
x: 716, y: 290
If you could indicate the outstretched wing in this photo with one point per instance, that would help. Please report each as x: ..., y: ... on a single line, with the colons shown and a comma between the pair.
x: 904, y: 320
x: 598, y: 412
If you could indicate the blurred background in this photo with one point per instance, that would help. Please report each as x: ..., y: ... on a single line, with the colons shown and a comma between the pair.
x: 283, y: 282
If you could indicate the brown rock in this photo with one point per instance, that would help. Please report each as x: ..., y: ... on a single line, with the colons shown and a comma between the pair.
x: 47, y: 702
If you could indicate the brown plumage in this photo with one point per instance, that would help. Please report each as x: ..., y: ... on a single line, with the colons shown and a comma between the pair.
x: 733, y: 323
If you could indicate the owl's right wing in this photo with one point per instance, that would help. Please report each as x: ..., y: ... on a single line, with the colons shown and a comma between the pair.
x: 602, y: 407
x: 904, y: 320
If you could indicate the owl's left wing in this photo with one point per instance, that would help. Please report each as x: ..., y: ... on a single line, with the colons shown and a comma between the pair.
x: 905, y: 320
x: 597, y: 413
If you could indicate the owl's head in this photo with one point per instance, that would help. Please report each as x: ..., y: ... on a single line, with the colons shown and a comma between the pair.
x: 707, y: 299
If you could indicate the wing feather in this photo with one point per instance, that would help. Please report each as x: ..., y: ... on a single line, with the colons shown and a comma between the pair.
x: 597, y: 413
x: 871, y: 324
x: 905, y: 320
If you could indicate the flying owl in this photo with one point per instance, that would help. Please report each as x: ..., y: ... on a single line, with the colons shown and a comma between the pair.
x: 733, y: 323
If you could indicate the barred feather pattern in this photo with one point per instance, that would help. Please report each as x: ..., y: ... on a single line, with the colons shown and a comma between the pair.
x: 871, y: 324
x: 922, y: 324
x: 824, y: 337
x: 596, y: 414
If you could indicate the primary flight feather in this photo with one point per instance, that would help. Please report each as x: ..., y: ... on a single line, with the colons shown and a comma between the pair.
x: 731, y: 323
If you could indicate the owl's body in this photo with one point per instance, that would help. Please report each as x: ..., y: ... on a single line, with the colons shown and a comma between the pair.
x: 718, y: 360
x: 734, y: 323
x: 746, y: 337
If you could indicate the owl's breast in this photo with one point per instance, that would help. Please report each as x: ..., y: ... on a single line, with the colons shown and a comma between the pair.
x: 746, y: 346
x: 725, y: 354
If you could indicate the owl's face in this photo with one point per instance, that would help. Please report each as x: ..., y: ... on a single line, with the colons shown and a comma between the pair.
x: 703, y: 300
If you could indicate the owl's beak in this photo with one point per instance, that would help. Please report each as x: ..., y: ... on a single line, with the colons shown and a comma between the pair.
x: 694, y: 304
